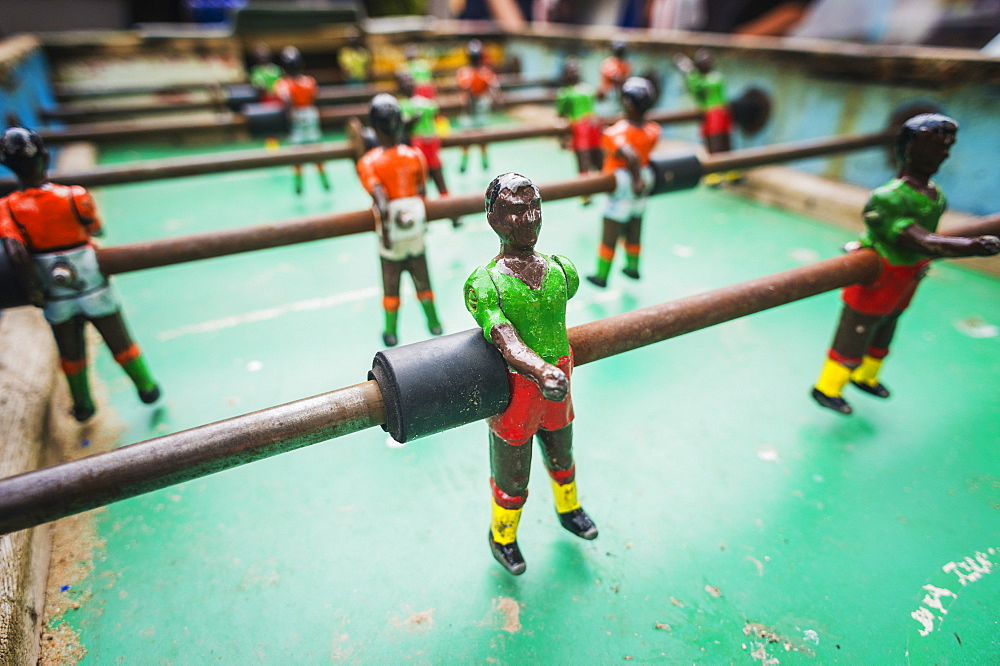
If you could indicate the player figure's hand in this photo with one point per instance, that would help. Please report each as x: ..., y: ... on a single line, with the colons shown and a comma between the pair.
x: 554, y: 383
x: 987, y: 246
x: 638, y: 184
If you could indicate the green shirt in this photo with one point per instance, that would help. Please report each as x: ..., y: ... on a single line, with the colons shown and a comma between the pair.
x: 263, y: 77
x: 424, y: 110
x: 708, y: 90
x: 575, y: 102
x: 538, y: 315
x: 420, y: 70
x: 891, y: 209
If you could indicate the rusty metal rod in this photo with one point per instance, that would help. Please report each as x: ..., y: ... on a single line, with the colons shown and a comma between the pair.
x: 68, y: 92
x: 326, y: 96
x: 150, y: 254
x: 53, y: 492
x: 179, y: 167
x: 131, y: 130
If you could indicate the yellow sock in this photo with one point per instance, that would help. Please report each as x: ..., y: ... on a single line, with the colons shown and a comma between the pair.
x: 565, y: 495
x: 867, y: 372
x: 504, y: 525
x: 833, y: 378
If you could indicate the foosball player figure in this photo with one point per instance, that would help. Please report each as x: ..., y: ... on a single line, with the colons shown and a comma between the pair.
x: 297, y: 91
x: 615, y: 69
x: 627, y: 145
x: 420, y: 115
x: 902, y: 219
x: 264, y: 73
x: 55, y: 224
x: 354, y: 61
x: 708, y: 90
x: 395, y: 175
x: 575, y: 103
x: 519, y: 300
x: 480, y: 90
x: 421, y: 71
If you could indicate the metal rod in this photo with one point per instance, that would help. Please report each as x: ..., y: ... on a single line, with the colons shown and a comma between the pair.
x: 137, y: 256
x: 130, y: 130
x: 53, y: 492
x: 797, y: 150
x: 326, y: 96
x: 180, y: 167
x: 60, y: 490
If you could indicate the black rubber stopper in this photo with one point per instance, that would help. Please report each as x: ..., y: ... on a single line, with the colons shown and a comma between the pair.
x: 16, y: 269
x: 239, y: 95
x: 440, y: 383
x: 751, y: 110
x: 267, y: 119
x: 675, y: 172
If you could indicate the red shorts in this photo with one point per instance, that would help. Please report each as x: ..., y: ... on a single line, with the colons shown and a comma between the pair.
x: 425, y: 90
x: 586, y: 134
x: 430, y: 146
x: 529, y: 411
x: 890, y: 292
x: 717, y: 121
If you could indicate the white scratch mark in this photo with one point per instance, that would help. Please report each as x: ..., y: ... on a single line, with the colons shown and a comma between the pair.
x: 974, y: 327
x: 270, y: 313
x: 768, y: 454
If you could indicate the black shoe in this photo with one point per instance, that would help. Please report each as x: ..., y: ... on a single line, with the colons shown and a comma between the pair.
x: 597, y: 281
x: 456, y: 223
x: 579, y: 523
x: 83, y: 413
x: 836, y: 404
x: 150, y: 396
x: 876, y: 389
x: 631, y: 272
x: 389, y: 339
x: 509, y: 555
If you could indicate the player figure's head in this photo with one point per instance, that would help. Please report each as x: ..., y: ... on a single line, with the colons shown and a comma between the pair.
x: 924, y: 142
x: 404, y: 80
x: 474, y: 50
x: 386, y: 119
x: 261, y: 54
x: 704, y: 61
x: 23, y: 152
x: 514, y: 210
x: 291, y: 60
x: 571, y: 72
x: 637, y: 97
x: 619, y: 49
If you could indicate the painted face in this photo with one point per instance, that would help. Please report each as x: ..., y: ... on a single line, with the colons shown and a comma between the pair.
x: 517, y: 216
x: 928, y: 150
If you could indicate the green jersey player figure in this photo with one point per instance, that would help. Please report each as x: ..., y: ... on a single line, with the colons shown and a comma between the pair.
x: 519, y: 300
x: 901, y: 218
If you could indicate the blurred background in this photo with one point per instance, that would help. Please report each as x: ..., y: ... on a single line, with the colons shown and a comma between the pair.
x: 972, y: 24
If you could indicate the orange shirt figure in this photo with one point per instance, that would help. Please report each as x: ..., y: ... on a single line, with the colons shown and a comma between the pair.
x: 296, y: 91
x: 401, y: 170
x: 477, y: 81
x: 614, y: 71
x: 53, y: 217
x: 642, y: 139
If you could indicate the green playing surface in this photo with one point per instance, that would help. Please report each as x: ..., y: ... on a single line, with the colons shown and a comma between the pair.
x: 739, y: 522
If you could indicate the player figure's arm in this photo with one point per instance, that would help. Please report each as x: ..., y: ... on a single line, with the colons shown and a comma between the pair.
x: 86, y: 211
x: 381, y: 202
x: 627, y: 153
x: 915, y: 238
x: 483, y: 301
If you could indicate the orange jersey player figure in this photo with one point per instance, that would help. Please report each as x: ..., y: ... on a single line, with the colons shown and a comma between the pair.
x: 297, y: 91
x: 627, y: 145
x: 55, y: 224
x: 480, y: 91
x: 395, y: 175
x: 614, y: 70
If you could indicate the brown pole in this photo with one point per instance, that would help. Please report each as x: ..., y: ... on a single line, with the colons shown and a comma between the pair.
x: 53, y: 492
x: 150, y: 254
x: 130, y: 130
